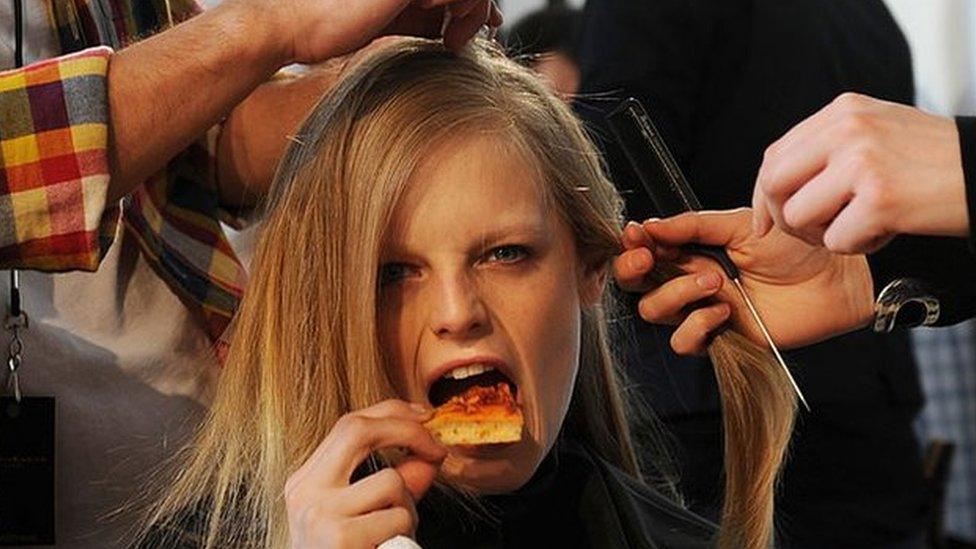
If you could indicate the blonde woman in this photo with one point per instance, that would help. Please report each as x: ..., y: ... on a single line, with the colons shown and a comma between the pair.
x: 439, y: 213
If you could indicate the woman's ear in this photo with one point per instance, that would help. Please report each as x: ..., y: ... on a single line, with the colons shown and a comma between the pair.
x: 592, y: 283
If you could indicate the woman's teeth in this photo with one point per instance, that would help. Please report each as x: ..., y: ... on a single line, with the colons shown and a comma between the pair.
x: 468, y: 371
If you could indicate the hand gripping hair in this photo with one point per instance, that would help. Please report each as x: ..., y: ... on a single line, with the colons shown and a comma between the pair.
x: 758, y: 411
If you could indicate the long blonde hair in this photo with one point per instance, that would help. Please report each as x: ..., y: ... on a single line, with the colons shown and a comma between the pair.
x: 305, y: 349
x: 758, y: 412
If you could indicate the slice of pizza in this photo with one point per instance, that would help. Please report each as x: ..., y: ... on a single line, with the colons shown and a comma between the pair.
x: 478, y: 415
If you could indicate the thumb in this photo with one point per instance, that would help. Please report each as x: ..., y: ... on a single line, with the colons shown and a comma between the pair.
x: 418, y: 475
x: 719, y: 228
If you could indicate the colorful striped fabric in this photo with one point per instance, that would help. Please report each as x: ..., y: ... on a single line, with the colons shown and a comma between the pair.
x: 54, y: 173
x: 116, y: 23
x: 176, y: 218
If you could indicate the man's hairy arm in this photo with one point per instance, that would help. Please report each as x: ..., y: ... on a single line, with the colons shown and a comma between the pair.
x: 256, y: 134
x: 167, y: 90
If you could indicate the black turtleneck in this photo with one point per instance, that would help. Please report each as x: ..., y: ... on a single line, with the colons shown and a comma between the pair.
x: 574, y: 499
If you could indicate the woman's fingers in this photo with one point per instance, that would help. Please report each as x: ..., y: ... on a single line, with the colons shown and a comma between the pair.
x: 418, y: 475
x: 857, y: 229
x: 325, y: 510
x: 358, y: 436
x: 666, y: 304
x: 720, y: 228
x: 633, y: 236
x: 790, y: 162
x: 395, y: 407
x: 813, y: 206
x: 376, y: 527
x: 318, y: 527
x: 384, y: 488
x: 389, y: 424
x: 693, y: 335
x: 762, y: 222
x: 630, y: 269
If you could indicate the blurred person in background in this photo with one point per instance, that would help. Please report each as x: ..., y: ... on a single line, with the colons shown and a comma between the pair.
x: 944, y: 57
x: 548, y: 39
x: 723, y: 80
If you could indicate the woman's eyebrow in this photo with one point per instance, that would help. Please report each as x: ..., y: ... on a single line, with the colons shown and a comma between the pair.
x: 533, y: 231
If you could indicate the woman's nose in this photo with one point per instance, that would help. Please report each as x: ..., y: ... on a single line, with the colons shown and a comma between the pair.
x: 457, y: 309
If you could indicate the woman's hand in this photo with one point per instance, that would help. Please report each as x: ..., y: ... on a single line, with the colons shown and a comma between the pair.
x: 325, y: 510
x: 804, y: 293
x: 860, y: 171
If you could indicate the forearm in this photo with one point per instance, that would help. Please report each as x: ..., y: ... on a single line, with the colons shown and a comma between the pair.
x: 258, y: 131
x: 165, y: 91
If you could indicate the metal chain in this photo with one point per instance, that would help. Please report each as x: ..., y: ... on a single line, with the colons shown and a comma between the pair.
x: 14, y: 324
x: 17, y: 318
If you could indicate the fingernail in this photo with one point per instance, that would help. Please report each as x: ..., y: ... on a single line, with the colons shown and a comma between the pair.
x: 709, y: 281
x: 639, y: 262
x: 630, y: 228
x: 420, y: 408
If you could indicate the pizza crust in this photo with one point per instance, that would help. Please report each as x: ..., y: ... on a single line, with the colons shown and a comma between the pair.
x: 480, y: 415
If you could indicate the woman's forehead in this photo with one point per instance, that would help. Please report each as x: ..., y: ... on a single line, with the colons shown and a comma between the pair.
x: 473, y: 187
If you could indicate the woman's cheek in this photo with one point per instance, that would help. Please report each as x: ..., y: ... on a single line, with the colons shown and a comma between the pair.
x: 552, y: 333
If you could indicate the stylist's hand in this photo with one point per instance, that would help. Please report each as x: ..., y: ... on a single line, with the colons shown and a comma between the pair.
x: 860, y: 171
x: 803, y: 292
x: 309, y: 31
x: 325, y: 510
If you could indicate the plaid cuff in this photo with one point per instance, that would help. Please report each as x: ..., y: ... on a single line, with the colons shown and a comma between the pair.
x: 176, y: 218
x: 53, y: 164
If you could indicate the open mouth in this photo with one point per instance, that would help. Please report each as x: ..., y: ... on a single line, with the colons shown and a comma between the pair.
x: 475, y: 404
x: 459, y: 380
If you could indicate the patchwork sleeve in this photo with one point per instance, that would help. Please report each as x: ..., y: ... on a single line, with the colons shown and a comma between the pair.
x: 178, y: 221
x: 54, y: 174
x: 54, y: 178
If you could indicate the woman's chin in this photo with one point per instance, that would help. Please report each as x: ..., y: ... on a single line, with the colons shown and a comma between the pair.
x: 491, y: 468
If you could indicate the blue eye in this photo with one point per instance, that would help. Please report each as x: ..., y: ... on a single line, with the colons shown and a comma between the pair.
x: 508, y: 254
x: 391, y: 273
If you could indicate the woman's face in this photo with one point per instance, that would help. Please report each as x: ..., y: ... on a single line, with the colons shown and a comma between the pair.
x: 477, y: 274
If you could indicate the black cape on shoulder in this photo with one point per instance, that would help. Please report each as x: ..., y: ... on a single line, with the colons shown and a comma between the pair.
x: 575, y: 499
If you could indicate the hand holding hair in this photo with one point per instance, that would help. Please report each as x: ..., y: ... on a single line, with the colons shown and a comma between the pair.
x: 325, y: 510
x: 787, y: 278
x: 309, y: 31
x: 231, y: 49
x: 805, y: 293
x: 860, y: 171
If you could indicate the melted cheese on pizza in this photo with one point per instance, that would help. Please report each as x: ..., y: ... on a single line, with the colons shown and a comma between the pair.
x: 480, y: 415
